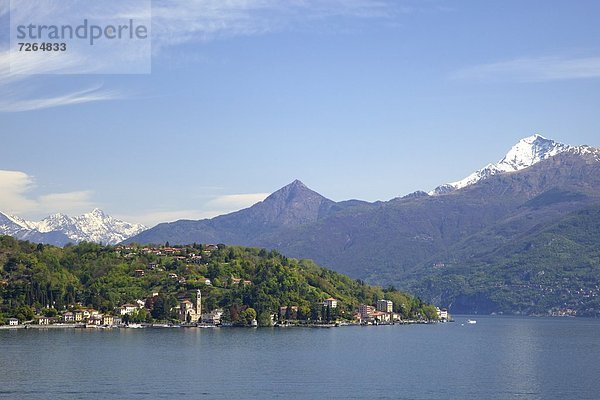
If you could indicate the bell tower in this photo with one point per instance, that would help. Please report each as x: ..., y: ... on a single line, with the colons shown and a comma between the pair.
x: 198, y: 304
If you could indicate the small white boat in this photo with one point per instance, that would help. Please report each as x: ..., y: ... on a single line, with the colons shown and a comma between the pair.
x: 471, y: 321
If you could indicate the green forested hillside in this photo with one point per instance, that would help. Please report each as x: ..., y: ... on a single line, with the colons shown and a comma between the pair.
x: 552, y: 269
x: 38, y: 278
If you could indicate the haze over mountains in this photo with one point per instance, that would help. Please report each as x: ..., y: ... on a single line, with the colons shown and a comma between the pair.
x: 420, y: 241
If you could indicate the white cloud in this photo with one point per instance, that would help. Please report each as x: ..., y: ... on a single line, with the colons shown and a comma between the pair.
x: 217, y: 206
x: 14, y: 186
x: 16, y: 197
x: 234, y: 202
x: 538, y: 69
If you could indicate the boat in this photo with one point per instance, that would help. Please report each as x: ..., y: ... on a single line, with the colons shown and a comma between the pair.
x: 471, y: 321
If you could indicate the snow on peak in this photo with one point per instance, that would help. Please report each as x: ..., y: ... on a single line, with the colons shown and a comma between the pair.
x: 527, y: 152
x: 94, y: 226
x: 96, y: 212
x: 530, y: 151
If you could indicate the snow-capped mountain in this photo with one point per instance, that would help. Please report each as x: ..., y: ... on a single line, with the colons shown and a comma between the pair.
x: 95, y: 226
x: 525, y: 153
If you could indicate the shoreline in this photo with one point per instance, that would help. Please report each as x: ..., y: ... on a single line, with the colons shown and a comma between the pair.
x: 202, y: 326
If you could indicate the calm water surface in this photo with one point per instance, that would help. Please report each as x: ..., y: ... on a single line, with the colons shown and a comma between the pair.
x: 498, y: 358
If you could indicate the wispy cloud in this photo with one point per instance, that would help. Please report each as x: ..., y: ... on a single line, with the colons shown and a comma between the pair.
x: 27, y: 80
x: 538, y: 69
x: 233, y: 202
x: 218, y: 205
x: 174, y: 22
x: 20, y: 84
x: 152, y: 218
x: 14, y: 104
x: 16, y: 197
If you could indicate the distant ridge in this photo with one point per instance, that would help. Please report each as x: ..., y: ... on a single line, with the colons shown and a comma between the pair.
x: 60, y: 229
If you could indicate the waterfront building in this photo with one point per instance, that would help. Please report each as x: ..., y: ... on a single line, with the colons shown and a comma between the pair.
x: 442, y: 314
x: 126, y: 309
x: 330, y: 302
x: 69, y: 317
x: 385, y: 306
x: 189, y: 312
x: 365, y: 311
x: 108, y: 320
x: 213, y: 317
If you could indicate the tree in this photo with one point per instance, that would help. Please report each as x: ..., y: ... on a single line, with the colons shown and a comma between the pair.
x: 158, y: 311
x: 264, y: 319
x: 429, y: 312
x: 50, y: 312
x: 288, y: 312
x: 247, y: 316
x: 24, y: 313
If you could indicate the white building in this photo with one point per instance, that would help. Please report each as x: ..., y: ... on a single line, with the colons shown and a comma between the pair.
x: 213, y: 317
x: 13, y: 321
x: 442, y: 314
x: 69, y: 317
x: 126, y: 309
x: 385, y: 306
x: 330, y: 302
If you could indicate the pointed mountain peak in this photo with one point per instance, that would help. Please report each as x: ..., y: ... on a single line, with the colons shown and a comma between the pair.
x: 293, y: 204
x: 533, y: 138
x: 297, y: 183
x: 527, y: 152
x: 96, y: 212
x: 293, y: 191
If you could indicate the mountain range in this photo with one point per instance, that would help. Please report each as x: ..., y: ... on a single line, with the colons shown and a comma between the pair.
x: 60, y: 229
x: 517, y: 236
x: 463, y: 245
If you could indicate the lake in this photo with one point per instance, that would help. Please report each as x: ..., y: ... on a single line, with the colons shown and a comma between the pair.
x: 497, y: 358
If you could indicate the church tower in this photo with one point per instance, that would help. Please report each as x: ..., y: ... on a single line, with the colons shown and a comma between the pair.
x: 198, y: 304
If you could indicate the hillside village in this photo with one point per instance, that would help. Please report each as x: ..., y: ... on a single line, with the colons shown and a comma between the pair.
x: 200, y: 285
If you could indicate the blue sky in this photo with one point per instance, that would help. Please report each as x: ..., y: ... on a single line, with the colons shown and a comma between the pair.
x: 356, y: 98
